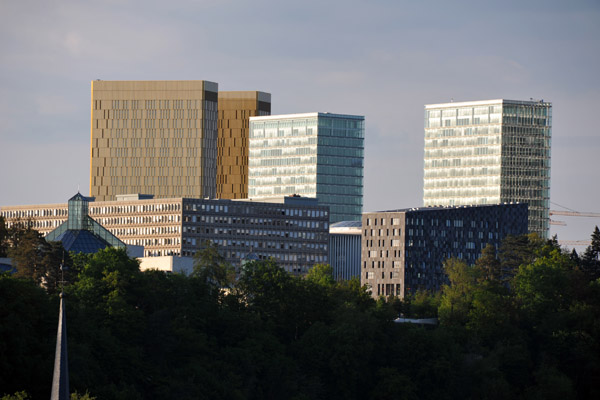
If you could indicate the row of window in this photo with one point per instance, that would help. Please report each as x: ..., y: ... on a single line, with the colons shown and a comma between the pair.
x: 382, y: 221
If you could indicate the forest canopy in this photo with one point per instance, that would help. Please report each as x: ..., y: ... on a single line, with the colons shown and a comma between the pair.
x: 523, y: 322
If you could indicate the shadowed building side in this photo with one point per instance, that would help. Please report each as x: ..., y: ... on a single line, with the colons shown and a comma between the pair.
x: 235, y: 110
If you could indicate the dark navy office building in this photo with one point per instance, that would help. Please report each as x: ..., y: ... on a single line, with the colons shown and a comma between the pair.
x: 403, y: 250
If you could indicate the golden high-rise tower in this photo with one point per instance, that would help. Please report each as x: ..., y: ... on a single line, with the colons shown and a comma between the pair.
x: 235, y: 109
x: 153, y: 137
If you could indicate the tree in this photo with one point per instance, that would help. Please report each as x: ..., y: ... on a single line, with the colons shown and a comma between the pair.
x: 421, y: 304
x: 518, y: 250
x: 46, y: 263
x: 457, y: 296
x: 3, y: 238
x: 590, y: 261
x: 545, y: 286
x: 27, y: 253
x: 321, y: 274
x: 265, y: 286
x: 575, y: 257
x: 27, y: 336
x: 210, y: 266
x: 489, y: 264
x: 22, y: 395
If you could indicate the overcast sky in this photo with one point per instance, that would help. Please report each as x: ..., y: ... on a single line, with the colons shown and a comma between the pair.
x: 381, y: 59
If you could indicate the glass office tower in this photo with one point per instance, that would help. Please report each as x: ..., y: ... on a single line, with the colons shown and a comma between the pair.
x: 490, y: 152
x: 312, y: 155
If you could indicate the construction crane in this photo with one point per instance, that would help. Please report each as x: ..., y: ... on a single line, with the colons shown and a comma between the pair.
x: 575, y: 214
x: 575, y: 242
x: 570, y: 213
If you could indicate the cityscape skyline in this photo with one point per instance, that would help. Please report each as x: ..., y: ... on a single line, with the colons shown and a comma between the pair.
x: 387, y: 67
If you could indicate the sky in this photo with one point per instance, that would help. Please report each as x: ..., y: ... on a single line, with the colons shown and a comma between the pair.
x: 381, y: 59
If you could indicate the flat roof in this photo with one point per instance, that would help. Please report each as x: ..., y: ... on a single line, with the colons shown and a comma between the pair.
x: 346, y: 228
x: 306, y: 115
x: 453, y: 104
x: 347, y: 224
x: 245, y: 94
x: 435, y: 208
x: 287, y: 200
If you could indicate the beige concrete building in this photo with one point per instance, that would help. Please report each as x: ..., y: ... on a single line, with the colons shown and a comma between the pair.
x: 235, y: 110
x: 155, y: 137
x: 152, y: 223
x: 294, y: 231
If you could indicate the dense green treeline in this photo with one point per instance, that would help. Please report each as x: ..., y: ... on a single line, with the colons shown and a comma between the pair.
x: 524, y: 323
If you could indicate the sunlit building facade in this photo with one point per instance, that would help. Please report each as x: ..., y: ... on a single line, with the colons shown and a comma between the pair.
x: 294, y: 232
x: 490, y: 152
x: 313, y: 155
x: 154, y: 137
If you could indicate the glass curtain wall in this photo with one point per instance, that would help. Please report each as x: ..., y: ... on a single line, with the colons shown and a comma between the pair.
x: 340, y: 166
x: 283, y: 158
x: 313, y: 155
x: 462, y: 155
x: 489, y: 153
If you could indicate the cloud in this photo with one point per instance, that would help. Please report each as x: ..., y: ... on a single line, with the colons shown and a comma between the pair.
x: 74, y: 43
x: 54, y: 105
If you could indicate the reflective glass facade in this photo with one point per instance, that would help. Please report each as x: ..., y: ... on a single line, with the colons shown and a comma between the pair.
x: 490, y: 152
x: 313, y: 155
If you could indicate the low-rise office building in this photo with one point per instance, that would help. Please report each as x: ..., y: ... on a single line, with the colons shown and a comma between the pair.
x: 403, y: 250
x: 294, y: 232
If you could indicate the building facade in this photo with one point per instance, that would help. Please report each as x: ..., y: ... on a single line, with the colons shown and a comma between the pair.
x: 314, y: 155
x: 155, y: 137
x: 293, y: 232
x: 235, y: 110
x: 344, y: 249
x: 490, y: 152
x: 81, y: 234
x: 403, y: 250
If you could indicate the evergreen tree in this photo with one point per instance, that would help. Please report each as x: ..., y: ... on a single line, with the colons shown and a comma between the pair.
x: 590, y: 260
x: 210, y: 266
x: 3, y: 238
x: 489, y: 264
x: 575, y: 257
